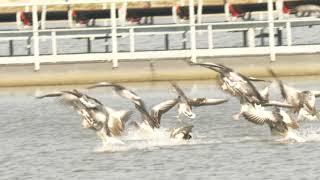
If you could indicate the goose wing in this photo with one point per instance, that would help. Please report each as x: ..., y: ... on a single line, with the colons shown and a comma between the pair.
x: 158, y: 110
x: 179, y: 91
x: 256, y: 114
x: 146, y: 116
x: 289, y: 120
x: 184, y: 130
x: 120, y: 90
x: 257, y: 79
x: 66, y: 97
x: 215, y: 67
x: 204, y: 101
x: 247, y: 89
x: 264, y: 93
x: 278, y: 104
x: 121, y: 115
x: 288, y: 93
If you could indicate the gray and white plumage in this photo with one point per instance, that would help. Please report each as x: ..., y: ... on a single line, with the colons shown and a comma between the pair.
x: 185, y: 103
x: 277, y: 119
x: 181, y: 132
x: 104, y: 120
x: 235, y: 83
x: 297, y: 98
x: 121, y: 91
x: 152, y: 118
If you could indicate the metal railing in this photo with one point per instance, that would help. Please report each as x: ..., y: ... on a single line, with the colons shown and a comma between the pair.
x: 115, y: 31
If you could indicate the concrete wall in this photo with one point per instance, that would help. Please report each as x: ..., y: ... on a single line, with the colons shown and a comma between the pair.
x: 154, y: 70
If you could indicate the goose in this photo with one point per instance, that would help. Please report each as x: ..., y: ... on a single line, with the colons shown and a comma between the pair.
x: 185, y: 104
x: 278, y: 120
x: 298, y: 99
x: 152, y: 118
x: 104, y: 120
x: 181, y: 132
x: 235, y: 83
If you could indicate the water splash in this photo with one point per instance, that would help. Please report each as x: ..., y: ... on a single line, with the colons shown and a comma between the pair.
x: 309, y: 134
x: 301, y: 136
x: 159, y: 138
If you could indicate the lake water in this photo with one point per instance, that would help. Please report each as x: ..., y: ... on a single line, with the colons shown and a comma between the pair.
x: 42, y: 139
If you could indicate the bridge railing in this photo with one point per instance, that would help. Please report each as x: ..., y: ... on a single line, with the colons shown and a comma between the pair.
x: 113, y: 33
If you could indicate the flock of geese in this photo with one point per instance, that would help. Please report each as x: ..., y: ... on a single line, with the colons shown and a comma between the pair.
x: 255, y: 106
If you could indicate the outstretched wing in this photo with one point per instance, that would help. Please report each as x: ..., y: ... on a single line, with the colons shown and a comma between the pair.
x: 65, y: 97
x: 158, y: 110
x: 179, y: 91
x: 204, y: 101
x: 121, y: 91
x: 257, y: 114
x: 265, y: 93
x: 280, y: 84
x: 278, y: 104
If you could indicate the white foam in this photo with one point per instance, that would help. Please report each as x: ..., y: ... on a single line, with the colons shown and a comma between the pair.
x: 159, y: 138
x: 309, y: 134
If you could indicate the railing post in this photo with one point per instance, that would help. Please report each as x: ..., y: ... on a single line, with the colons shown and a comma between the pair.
x: 210, y: 37
x: 279, y: 36
x: 29, y: 45
x: 114, y: 35
x: 192, y: 32
x: 43, y: 17
x: 166, y: 41
x: 70, y: 19
x: 289, y: 33
x: 245, y: 38
x: 104, y: 7
x: 174, y: 14
x: 226, y: 11
x: 279, y: 6
x: 54, y: 43
x: 106, y: 43
x: 123, y: 13
x: 184, y: 40
x: 262, y: 37
x: 251, y: 37
x: 18, y: 20
x: 11, y: 50
x: 35, y: 26
x: 271, y: 31
x: 89, y: 45
x: 132, y: 41
x: 199, y: 13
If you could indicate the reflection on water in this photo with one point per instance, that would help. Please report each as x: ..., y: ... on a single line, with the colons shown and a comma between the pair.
x: 41, y: 139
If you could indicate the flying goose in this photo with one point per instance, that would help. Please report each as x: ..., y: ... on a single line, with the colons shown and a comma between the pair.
x: 278, y: 120
x: 152, y: 118
x: 298, y: 99
x: 185, y: 104
x: 104, y: 120
x: 235, y: 83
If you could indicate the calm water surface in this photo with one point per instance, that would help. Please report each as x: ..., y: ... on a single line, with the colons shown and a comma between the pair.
x: 41, y: 139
